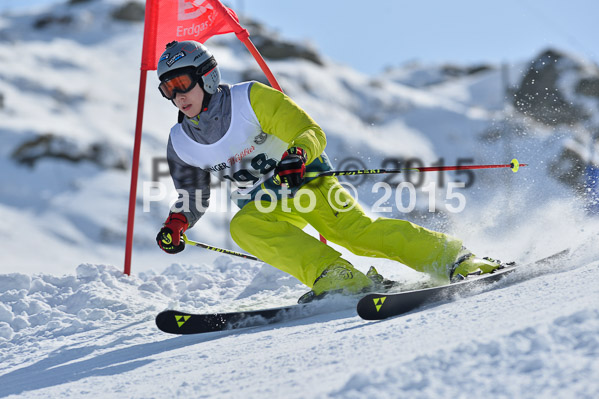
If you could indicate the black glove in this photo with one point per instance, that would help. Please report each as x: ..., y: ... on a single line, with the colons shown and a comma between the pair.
x: 292, y: 167
x: 169, y: 236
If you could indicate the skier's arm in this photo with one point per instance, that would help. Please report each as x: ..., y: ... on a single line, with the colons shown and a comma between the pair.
x: 279, y: 115
x: 190, y: 182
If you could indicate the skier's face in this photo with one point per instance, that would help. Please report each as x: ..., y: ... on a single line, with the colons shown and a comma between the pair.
x: 190, y: 103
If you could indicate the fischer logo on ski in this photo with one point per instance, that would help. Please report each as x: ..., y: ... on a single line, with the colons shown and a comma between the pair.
x: 181, y: 320
x: 198, y: 323
x: 378, y: 302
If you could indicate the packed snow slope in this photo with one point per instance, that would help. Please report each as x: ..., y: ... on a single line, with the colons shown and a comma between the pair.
x: 91, y: 334
x: 72, y: 325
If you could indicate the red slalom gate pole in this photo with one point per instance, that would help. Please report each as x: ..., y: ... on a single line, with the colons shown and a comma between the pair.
x: 135, y: 171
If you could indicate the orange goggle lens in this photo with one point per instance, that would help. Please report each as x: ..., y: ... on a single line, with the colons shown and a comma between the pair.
x: 181, y: 84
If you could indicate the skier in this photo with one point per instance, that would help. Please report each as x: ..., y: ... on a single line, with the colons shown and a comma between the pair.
x: 257, y: 137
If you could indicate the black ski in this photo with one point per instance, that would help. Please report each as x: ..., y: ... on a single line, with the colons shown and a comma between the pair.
x: 177, y: 322
x: 370, y: 307
x: 383, y: 305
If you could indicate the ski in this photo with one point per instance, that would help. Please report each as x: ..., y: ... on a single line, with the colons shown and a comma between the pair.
x: 378, y: 306
x: 177, y: 322
x: 373, y: 306
x: 383, y: 305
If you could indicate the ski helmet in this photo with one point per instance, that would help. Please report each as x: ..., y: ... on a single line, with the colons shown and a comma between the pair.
x: 193, y: 56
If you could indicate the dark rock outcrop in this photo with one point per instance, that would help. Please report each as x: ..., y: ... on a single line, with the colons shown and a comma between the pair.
x: 57, y: 147
x: 540, y: 96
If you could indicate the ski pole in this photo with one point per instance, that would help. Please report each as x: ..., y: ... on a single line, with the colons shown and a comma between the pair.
x: 514, y: 166
x: 216, y: 249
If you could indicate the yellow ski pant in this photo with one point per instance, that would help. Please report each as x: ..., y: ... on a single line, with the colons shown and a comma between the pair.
x: 273, y: 232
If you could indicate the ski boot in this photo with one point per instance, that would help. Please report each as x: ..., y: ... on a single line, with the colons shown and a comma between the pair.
x: 340, y: 277
x: 380, y: 282
x: 468, y: 264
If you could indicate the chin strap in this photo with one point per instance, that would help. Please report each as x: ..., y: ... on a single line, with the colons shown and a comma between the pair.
x: 206, y: 101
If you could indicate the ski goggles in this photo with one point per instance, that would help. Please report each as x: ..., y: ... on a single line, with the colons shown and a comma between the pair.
x: 177, y: 84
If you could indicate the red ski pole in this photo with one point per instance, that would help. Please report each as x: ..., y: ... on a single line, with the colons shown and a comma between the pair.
x: 514, y: 166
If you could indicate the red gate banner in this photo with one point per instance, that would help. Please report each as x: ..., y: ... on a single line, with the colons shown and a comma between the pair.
x: 168, y: 20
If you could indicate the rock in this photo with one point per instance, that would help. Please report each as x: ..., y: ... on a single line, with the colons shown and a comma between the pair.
x: 569, y: 169
x: 254, y: 74
x: 47, y: 20
x: 540, y: 96
x: 272, y: 47
x: 588, y: 87
x: 53, y: 146
x: 132, y: 11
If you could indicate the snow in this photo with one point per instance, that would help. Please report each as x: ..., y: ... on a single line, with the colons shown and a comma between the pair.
x: 73, y: 326
x: 92, y: 332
